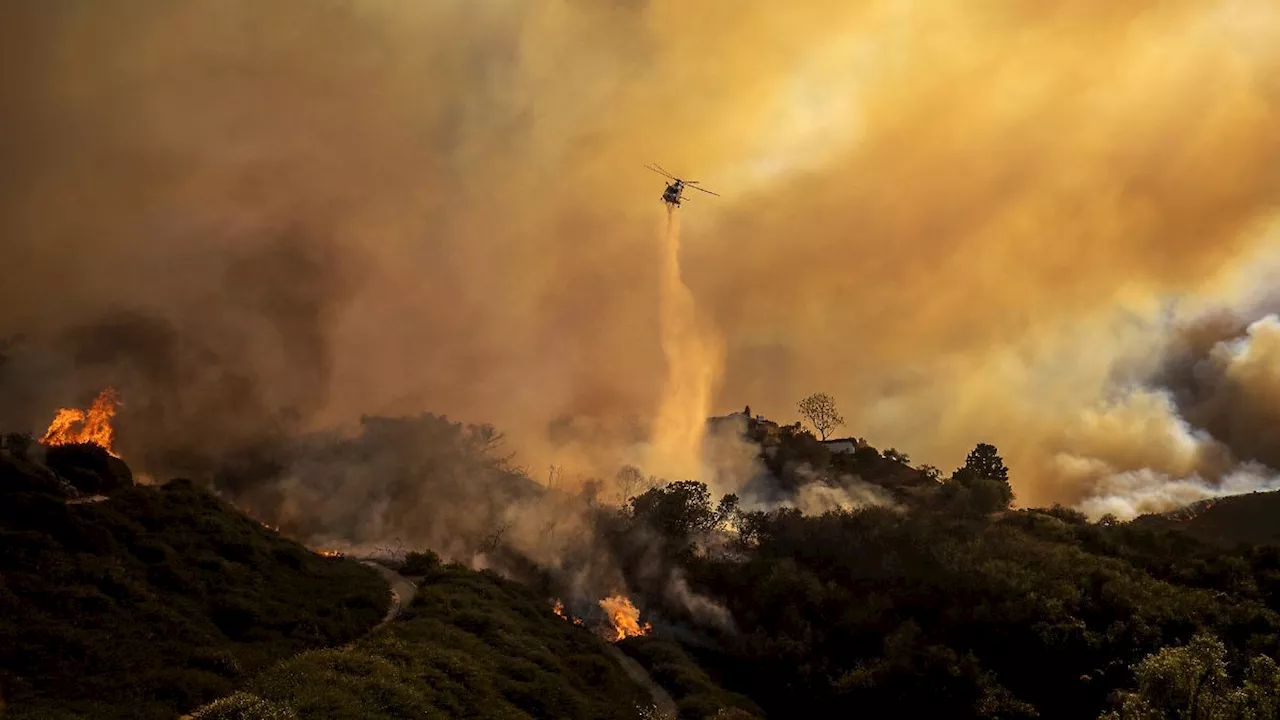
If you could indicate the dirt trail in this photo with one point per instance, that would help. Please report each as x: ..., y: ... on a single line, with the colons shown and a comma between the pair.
x: 402, y: 592
x: 84, y: 500
x: 635, y: 671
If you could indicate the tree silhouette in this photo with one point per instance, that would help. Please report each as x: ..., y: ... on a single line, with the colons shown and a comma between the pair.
x: 820, y: 410
x: 984, y: 481
x: 985, y: 461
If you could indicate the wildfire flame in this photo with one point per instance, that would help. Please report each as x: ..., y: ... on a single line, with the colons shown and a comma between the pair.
x: 557, y: 607
x: 73, y: 426
x: 249, y: 513
x: 624, y: 616
x: 328, y: 553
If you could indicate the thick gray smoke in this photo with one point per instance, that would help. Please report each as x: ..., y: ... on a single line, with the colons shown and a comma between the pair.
x: 1205, y: 422
x: 248, y: 359
x: 1223, y: 377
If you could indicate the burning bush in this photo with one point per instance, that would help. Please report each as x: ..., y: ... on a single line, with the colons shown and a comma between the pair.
x: 624, y: 618
x: 72, y: 426
x: 557, y: 607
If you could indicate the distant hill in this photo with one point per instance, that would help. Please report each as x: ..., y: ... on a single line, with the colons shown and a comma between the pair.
x: 123, y: 601
x: 1252, y: 519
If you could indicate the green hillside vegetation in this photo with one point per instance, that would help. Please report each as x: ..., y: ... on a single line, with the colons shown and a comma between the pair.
x: 155, y: 600
x: 472, y: 645
x: 931, y: 597
x: 947, y: 605
x: 697, y: 696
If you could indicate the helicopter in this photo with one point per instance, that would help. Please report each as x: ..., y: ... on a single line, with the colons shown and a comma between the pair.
x: 674, y: 192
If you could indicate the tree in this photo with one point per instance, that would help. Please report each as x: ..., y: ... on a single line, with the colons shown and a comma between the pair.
x: 897, y: 456
x: 727, y: 510
x: 985, y: 461
x: 986, y: 479
x: 493, y: 539
x: 631, y: 482
x: 820, y: 410
x: 678, y: 511
x: 1192, y: 681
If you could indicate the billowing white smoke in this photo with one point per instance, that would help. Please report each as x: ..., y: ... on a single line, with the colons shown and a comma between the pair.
x: 817, y: 498
x: 705, y: 610
x: 1129, y: 494
x: 1206, y: 429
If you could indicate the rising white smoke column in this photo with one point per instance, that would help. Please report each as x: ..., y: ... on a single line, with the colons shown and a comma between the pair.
x: 695, y: 357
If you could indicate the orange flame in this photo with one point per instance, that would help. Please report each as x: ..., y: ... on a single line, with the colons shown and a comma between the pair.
x: 328, y: 553
x: 557, y: 607
x: 73, y: 426
x: 624, y: 616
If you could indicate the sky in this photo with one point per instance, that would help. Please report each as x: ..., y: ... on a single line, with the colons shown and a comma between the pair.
x: 1048, y: 226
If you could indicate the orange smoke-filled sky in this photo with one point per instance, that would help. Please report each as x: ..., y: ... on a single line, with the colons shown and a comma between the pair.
x: 956, y: 218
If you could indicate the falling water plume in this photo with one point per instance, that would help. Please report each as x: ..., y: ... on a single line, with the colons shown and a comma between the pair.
x: 694, y: 357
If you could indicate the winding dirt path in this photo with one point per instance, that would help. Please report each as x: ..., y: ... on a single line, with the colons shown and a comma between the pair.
x: 85, y: 500
x: 402, y: 592
x: 634, y: 670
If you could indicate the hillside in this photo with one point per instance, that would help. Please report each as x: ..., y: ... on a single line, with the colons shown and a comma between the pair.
x: 943, y: 603
x: 471, y: 645
x: 1252, y: 519
x: 920, y: 596
x: 153, y: 600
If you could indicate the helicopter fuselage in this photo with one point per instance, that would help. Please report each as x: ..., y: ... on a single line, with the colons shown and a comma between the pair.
x: 672, y: 194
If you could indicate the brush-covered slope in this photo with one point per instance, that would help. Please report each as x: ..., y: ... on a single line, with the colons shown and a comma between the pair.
x: 154, y: 600
x: 471, y: 645
x: 1252, y: 519
x: 696, y: 694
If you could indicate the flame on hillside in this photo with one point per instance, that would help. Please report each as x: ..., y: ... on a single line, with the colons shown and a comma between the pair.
x: 1190, y: 512
x: 72, y: 426
x: 328, y: 553
x: 624, y: 616
x: 249, y: 513
x: 557, y: 607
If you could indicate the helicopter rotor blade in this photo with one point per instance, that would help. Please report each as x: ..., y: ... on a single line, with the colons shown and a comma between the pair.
x: 661, y: 172
x: 664, y: 171
x: 705, y: 191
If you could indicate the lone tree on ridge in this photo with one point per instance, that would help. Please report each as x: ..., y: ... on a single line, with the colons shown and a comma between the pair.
x: 820, y: 410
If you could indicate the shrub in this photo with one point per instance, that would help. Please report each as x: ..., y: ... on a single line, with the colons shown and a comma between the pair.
x: 420, y: 563
x: 243, y: 706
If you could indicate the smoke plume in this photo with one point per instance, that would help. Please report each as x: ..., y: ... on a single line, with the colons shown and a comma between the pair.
x: 1201, y: 424
x: 960, y: 220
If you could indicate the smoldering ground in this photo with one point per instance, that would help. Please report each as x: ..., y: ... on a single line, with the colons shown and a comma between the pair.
x: 943, y: 216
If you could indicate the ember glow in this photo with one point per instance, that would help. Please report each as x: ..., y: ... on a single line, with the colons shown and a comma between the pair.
x: 328, y: 553
x: 557, y: 607
x: 72, y: 426
x: 624, y: 616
